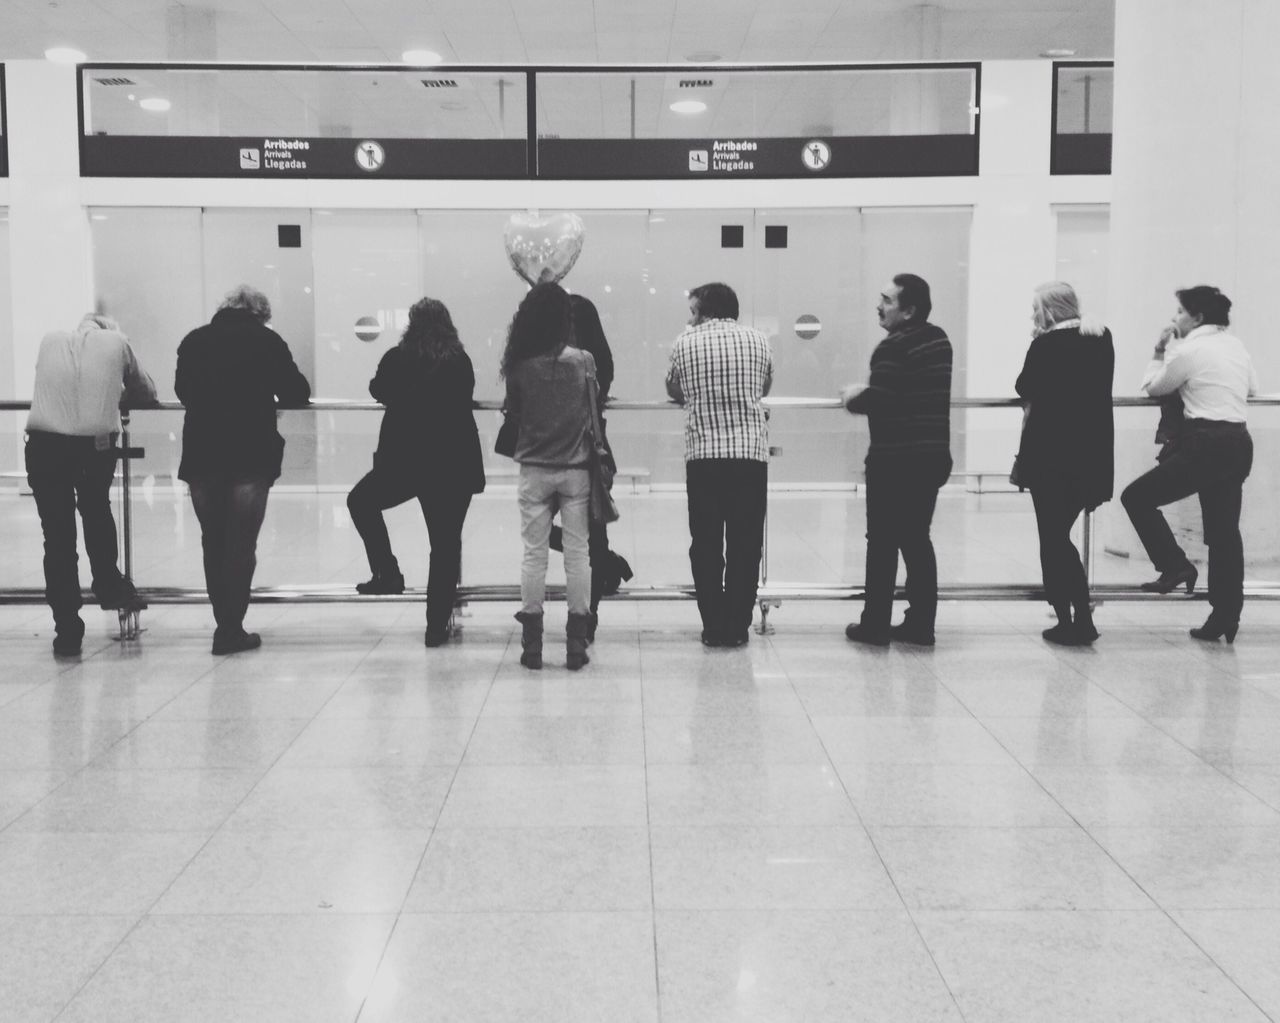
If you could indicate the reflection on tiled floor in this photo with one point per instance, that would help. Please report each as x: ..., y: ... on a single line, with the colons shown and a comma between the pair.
x: 348, y: 826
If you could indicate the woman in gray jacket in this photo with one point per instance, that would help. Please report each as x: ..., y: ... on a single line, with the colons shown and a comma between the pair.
x: 552, y: 393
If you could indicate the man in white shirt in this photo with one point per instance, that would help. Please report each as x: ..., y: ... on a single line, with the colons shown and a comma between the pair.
x: 81, y: 376
x: 1209, y: 453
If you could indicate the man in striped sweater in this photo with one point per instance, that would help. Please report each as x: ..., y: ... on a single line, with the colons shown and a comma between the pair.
x: 908, y: 408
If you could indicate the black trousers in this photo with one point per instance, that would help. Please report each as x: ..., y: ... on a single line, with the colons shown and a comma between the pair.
x: 65, y: 474
x: 726, y: 525
x: 445, y: 512
x: 230, y: 513
x: 1211, y: 459
x: 900, y: 502
x: 1057, y: 508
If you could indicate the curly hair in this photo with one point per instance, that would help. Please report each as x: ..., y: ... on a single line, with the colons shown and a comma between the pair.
x: 430, y: 333
x: 250, y: 300
x: 542, y: 323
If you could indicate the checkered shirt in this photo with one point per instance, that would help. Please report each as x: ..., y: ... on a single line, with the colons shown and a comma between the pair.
x: 722, y: 368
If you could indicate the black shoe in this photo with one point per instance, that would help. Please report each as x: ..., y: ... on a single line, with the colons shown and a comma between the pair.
x: 1062, y: 634
x: 908, y: 633
x: 382, y: 584
x: 859, y: 633
x: 733, y: 640
x: 122, y: 596
x: 710, y: 638
x: 236, y: 642
x: 435, y: 637
x: 1086, y: 634
x: 67, y: 645
x: 1214, y: 629
x: 1171, y: 580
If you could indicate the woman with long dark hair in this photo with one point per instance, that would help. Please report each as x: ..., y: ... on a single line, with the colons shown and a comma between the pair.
x: 553, y: 394
x: 1066, y: 458
x: 1209, y: 454
x: 428, y: 448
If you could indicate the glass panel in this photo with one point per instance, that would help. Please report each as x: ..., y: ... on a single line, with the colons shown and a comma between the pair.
x: 329, y: 103
x: 11, y: 445
x: 1085, y: 98
x: 781, y: 104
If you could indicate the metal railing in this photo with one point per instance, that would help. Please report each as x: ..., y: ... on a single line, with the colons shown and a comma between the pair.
x: 770, y: 596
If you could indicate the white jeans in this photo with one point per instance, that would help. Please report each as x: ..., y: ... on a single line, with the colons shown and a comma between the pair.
x: 541, y: 492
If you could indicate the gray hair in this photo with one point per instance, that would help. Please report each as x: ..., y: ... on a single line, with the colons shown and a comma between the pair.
x: 250, y: 299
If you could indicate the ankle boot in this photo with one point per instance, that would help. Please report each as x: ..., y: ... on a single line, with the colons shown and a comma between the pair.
x: 530, y: 639
x: 576, y: 641
x: 382, y: 582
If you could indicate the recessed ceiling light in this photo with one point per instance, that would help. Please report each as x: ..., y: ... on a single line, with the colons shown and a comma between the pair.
x: 156, y: 104
x: 65, y: 55
x: 703, y: 57
x: 688, y: 106
x: 421, y: 58
x: 1057, y: 53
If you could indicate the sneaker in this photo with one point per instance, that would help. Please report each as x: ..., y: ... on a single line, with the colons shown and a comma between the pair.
x: 735, y: 639
x: 908, y: 633
x: 236, y: 642
x: 859, y: 633
x: 710, y: 638
x: 381, y: 584
x: 122, y: 596
x: 67, y: 645
x: 435, y: 637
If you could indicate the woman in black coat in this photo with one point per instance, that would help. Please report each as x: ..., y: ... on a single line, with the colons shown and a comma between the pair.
x: 1066, y: 458
x: 428, y: 448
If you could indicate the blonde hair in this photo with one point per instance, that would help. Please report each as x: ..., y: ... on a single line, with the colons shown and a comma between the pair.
x: 250, y: 299
x: 1056, y: 302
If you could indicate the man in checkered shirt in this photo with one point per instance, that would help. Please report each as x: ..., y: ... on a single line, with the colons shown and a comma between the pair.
x: 720, y: 371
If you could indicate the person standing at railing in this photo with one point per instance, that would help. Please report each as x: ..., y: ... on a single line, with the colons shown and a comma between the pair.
x: 553, y: 395
x: 429, y: 449
x: 720, y: 372
x: 907, y: 403
x: 71, y: 431
x: 1210, y: 455
x: 231, y: 374
x: 1066, y: 457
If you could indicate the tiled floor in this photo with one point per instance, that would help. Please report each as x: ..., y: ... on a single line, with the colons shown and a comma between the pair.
x: 347, y: 826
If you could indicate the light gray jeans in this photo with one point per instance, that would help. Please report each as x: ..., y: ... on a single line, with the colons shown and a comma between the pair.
x: 541, y: 492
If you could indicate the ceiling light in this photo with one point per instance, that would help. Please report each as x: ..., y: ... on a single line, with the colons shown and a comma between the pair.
x: 703, y: 57
x: 688, y: 106
x: 421, y: 58
x: 156, y: 104
x: 65, y: 55
x: 1057, y: 53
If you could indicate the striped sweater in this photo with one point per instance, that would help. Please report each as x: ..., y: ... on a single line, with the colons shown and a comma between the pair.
x: 908, y: 400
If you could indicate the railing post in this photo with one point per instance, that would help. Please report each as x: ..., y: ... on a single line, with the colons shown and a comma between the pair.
x: 129, y: 612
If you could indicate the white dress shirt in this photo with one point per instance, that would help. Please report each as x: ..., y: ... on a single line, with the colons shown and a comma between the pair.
x: 1211, y: 370
x: 80, y: 376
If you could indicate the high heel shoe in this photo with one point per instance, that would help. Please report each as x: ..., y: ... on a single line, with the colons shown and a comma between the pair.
x: 1171, y: 580
x: 1214, y: 629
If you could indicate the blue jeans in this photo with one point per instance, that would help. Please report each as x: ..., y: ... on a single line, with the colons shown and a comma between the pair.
x: 542, y: 492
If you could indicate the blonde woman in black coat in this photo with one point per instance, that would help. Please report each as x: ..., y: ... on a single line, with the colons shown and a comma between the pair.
x: 1066, y: 458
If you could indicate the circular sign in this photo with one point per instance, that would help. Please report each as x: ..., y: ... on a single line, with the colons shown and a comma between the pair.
x: 368, y: 328
x: 808, y: 327
x: 816, y: 155
x: 370, y: 156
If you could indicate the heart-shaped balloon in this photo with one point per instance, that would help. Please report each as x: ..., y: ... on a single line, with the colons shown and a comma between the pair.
x: 543, y: 248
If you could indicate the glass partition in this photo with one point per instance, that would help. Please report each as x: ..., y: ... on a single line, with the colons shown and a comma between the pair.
x: 11, y: 438
x: 1082, y: 103
x: 913, y: 120
x: 302, y: 122
x: 4, y: 133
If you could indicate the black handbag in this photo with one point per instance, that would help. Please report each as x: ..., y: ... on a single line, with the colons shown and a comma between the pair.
x: 508, y: 434
x: 1015, y: 471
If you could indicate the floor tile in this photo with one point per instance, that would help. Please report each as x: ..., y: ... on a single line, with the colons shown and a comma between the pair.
x: 722, y: 868
x: 938, y: 868
x: 732, y: 739
x: 557, y: 741
x: 279, y: 872
x: 773, y: 794
x: 344, y: 798
x: 287, y: 969
x: 99, y: 874
x: 1127, y: 967
x: 48, y: 958
x: 1127, y: 741
x: 406, y: 742
x: 908, y: 740
x: 478, y: 870
x: 21, y: 790
x: 842, y: 967
x: 241, y: 743
x: 1245, y: 944
x: 521, y: 797
x: 534, y: 967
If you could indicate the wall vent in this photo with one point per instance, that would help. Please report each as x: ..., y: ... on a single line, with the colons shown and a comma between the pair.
x: 440, y: 83
x: 696, y: 83
x: 115, y: 81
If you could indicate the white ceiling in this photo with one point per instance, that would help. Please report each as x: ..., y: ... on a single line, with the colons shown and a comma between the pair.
x: 557, y: 31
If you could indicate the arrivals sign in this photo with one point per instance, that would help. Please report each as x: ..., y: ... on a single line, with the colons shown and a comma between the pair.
x: 161, y: 156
